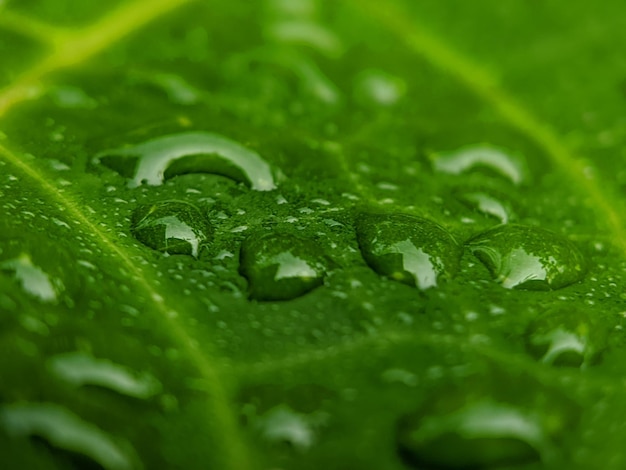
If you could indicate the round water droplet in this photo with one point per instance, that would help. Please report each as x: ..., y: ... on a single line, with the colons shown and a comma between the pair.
x: 467, y: 158
x: 173, y: 227
x: 488, y: 205
x: 528, y: 257
x: 158, y: 159
x: 566, y: 338
x: 409, y: 249
x: 281, y: 267
x: 480, y: 425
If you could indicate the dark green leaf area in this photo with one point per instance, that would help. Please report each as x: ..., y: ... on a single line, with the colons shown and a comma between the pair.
x: 408, y: 249
x: 528, y: 257
x: 281, y: 266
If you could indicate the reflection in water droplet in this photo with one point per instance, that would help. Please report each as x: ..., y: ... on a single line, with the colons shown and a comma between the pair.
x: 528, y: 257
x: 281, y: 267
x: 467, y: 158
x: 488, y: 205
x: 567, y: 338
x: 282, y: 424
x: 33, y: 279
x: 173, y: 227
x: 65, y: 430
x: 190, y: 152
x: 82, y: 369
x: 409, y: 249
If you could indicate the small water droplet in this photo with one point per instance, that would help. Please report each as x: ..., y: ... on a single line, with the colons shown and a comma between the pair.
x: 379, y: 88
x: 162, y: 158
x: 65, y: 430
x: 172, y: 227
x: 565, y: 338
x: 82, y: 369
x: 467, y: 158
x: 33, y: 279
x: 528, y: 257
x: 409, y: 249
x: 488, y: 205
x: 281, y: 267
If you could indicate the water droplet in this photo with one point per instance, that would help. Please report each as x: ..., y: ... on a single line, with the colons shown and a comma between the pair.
x: 281, y: 267
x: 282, y: 424
x: 379, y: 88
x: 409, y: 249
x: 33, y: 279
x: 64, y: 430
x: 173, y: 227
x: 528, y: 257
x: 82, y: 369
x: 162, y: 158
x: 566, y: 338
x: 485, y: 423
x: 467, y: 158
x: 488, y: 205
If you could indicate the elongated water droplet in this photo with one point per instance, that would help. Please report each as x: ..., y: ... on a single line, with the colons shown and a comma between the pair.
x: 467, y: 158
x: 281, y: 267
x: 528, y: 257
x: 173, y: 227
x: 488, y: 205
x: 64, y: 430
x: 159, y: 159
x: 33, y: 279
x: 565, y: 338
x: 83, y: 369
x: 473, y: 427
x: 409, y: 249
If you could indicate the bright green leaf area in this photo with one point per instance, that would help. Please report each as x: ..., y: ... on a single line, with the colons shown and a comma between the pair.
x: 297, y: 234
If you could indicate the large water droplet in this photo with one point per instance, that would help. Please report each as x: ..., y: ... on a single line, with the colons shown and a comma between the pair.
x: 158, y: 159
x: 485, y: 423
x: 528, y: 257
x: 64, y: 430
x: 82, y: 369
x: 565, y: 338
x: 173, y: 227
x: 409, y: 249
x: 33, y: 279
x: 467, y: 158
x: 281, y: 267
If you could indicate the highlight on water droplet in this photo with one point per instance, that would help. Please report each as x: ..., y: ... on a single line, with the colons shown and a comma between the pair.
x: 566, y: 337
x: 378, y: 87
x: 281, y: 266
x: 80, y: 369
x: 472, y: 426
x: 406, y: 248
x: 526, y: 257
x: 470, y: 157
x: 488, y: 205
x: 281, y: 424
x: 65, y: 430
x: 159, y: 159
x: 33, y: 279
x: 172, y: 227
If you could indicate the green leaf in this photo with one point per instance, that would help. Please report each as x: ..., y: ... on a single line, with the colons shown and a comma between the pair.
x: 301, y: 234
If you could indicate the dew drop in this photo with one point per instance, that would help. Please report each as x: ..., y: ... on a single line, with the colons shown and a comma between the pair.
x: 485, y: 423
x: 281, y: 267
x: 172, y: 227
x: 162, y: 158
x: 379, y: 88
x: 488, y: 205
x: 467, y: 158
x: 528, y: 257
x: 408, y: 249
x: 81, y: 369
x: 65, y: 430
x: 565, y: 338
x: 33, y: 279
